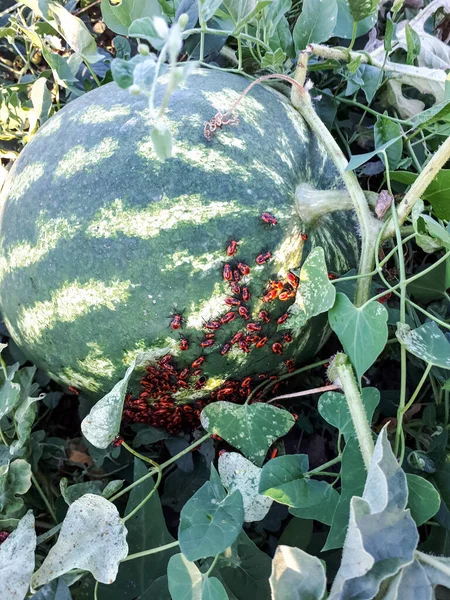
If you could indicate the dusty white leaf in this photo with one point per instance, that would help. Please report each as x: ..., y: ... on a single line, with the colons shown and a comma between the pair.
x: 102, y: 424
x: 238, y: 473
x: 92, y: 538
x: 296, y: 575
x: 17, y: 560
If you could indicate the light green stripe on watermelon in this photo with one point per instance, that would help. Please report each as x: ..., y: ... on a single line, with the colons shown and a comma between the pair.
x: 148, y: 238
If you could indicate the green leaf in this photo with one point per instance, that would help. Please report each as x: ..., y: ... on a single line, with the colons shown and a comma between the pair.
x: 146, y: 529
x: 208, y: 8
x: 296, y: 575
x: 122, y: 47
x: 242, y: 11
x: 322, y: 510
x: 148, y: 435
x: 212, y: 589
x: 423, y: 499
x: 17, y: 559
x: 361, y: 9
x: 120, y: 15
x: 273, y: 59
x: 436, y: 193
x: 102, y: 424
x: 60, y: 68
x: 42, y: 102
x: 315, y: 23
x: 433, y: 285
x: 412, y: 43
x: 359, y: 159
x: 427, y: 342
x: 384, y: 131
x: 382, y: 536
x: 24, y: 418
x: 75, y: 32
x: 9, y: 396
x: 238, y: 473
x: 315, y: 294
x: 283, y: 479
x: 333, y: 407
x: 363, y: 332
x: 162, y: 141
x: 344, y: 22
x: 15, y: 480
x: 145, y: 29
x: 251, y: 428
x: 298, y: 532
x: 56, y: 590
x: 185, y: 579
x: 425, y: 223
x: 353, y: 476
x: 389, y: 34
x: 210, y: 522
x: 92, y: 538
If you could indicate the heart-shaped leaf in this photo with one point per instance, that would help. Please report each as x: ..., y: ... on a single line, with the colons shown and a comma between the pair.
x: 251, y: 428
x: 102, y: 424
x: 210, y: 521
x: 426, y: 342
x: 17, y: 559
x: 315, y: 294
x: 296, y: 575
x: 423, y: 499
x: 92, y: 538
x: 362, y: 332
x: 238, y: 473
x: 333, y: 407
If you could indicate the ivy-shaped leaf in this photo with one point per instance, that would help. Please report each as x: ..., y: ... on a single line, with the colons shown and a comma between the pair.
x: 102, y: 424
x: 315, y: 294
x: 296, y: 575
x: 210, y: 521
x: 75, y: 32
x: 15, y: 480
x: 186, y: 582
x: 363, y: 332
x: 92, y: 538
x: 361, y: 9
x: 283, y: 479
x: 333, y: 407
x: 315, y: 23
x: 251, y: 428
x: 423, y: 499
x: 322, y: 511
x: 238, y: 473
x: 17, y: 559
x: 369, y: 559
x: 120, y: 15
x: 426, y: 342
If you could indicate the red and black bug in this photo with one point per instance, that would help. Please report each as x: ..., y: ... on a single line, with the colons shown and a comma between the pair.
x: 269, y: 219
x: 290, y: 366
x: 210, y: 336
x: 270, y: 296
x: 197, y: 372
x: 274, y: 453
x: 246, y: 294
x: 243, y: 312
x: 263, y: 258
x: 198, y: 362
x: 183, y: 384
x: 244, y: 346
x: 228, y: 317
x: 243, y: 268
x: 332, y: 276
x: 236, y: 337
x: 264, y: 316
x: 287, y: 337
x: 212, y: 325
x: 184, y: 374
x: 286, y: 295
x: 207, y: 343
x: 184, y: 343
x: 225, y: 348
x: 200, y: 383
x: 232, y: 248
x: 246, y: 383
x: 235, y: 288
x: 118, y: 441
x: 222, y: 452
x: 165, y: 360
x: 304, y: 237
x: 277, y: 348
x: 227, y: 272
x: 176, y: 321
x: 262, y: 342
x: 232, y: 302
x: 237, y: 275
x: 292, y: 279
x: 253, y: 327
x: 283, y: 318
x: 252, y: 339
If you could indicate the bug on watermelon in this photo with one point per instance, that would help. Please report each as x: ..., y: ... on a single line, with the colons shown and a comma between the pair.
x: 263, y: 258
x: 246, y: 294
x: 228, y: 317
x: 176, y: 321
x: 184, y: 343
x: 243, y: 312
x: 232, y: 248
x: 227, y: 272
x: 262, y: 342
x: 236, y: 337
x: 198, y: 362
x: 207, y: 343
x: 243, y: 268
x: 269, y: 219
x: 283, y: 318
x: 277, y: 348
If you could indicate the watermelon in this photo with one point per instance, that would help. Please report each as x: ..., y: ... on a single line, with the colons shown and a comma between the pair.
x: 106, y: 251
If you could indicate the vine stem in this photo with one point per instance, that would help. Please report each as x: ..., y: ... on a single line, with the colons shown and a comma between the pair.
x: 432, y: 561
x: 416, y: 190
x: 324, y: 388
x: 151, y: 551
x: 44, y: 497
x: 340, y: 369
x: 368, y: 224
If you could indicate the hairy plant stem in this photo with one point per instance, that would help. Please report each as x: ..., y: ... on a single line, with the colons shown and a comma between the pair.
x: 151, y: 551
x: 340, y: 369
x: 433, y: 562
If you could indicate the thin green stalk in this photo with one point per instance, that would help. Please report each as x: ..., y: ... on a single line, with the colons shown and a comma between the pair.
x: 446, y: 407
x: 213, y: 564
x: 419, y: 387
x: 94, y: 76
x: 145, y: 500
x: 151, y: 551
x: 403, y: 357
x: 353, y: 40
x: 161, y: 467
x: 2, y: 437
x: 363, y: 107
x: 324, y: 467
x: 44, y: 497
x: 433, y: 562
x: 239, y: 42
x: 96, y: 590
x: 140, y: 456
x: 341, y: 369
x: 241, y: 34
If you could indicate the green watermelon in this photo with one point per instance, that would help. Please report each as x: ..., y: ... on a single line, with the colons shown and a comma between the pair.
x: 105, y: 250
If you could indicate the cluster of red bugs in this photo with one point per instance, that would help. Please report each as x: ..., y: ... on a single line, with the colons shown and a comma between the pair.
x: 156, y: 405
x: 3, y: 536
